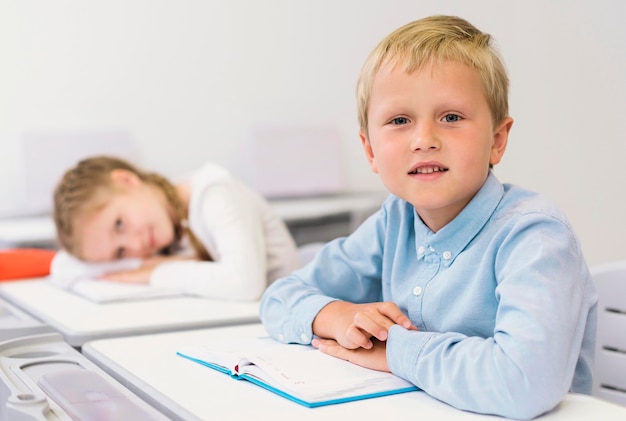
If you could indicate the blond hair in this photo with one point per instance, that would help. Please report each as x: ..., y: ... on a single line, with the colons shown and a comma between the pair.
x: 81, y: 189
x: 433, y: 40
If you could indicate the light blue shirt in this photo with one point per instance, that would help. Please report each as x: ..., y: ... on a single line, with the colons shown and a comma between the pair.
x: 502, y: 298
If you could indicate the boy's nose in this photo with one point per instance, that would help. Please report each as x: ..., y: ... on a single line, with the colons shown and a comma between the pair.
x: 424, y: 138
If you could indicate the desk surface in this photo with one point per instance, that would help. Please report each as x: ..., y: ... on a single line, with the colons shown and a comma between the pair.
x: 80, y: 320
x: 182, y: 389
x: 15, y: 323
x: 296, y: 209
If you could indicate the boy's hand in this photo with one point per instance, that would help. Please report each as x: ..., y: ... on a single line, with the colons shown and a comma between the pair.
x: 353, y: 325
x: 374, y: 357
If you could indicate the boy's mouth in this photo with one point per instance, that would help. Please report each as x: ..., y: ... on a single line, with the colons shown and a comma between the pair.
x: 427, y: 169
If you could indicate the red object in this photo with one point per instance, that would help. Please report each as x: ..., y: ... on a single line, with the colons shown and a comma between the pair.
x: 24, y: 263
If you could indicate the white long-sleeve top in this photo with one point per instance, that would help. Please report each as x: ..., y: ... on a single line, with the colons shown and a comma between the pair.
x: 251, y: 246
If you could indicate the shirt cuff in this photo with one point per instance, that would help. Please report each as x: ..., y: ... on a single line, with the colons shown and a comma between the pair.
x: 403, y: 350
x: 299, y: 328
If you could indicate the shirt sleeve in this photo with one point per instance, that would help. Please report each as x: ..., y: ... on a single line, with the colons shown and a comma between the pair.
x: 544, y: 298
x: 233, y: 227
x: 345, y: 269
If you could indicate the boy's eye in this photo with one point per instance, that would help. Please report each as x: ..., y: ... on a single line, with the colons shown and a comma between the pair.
x: 118, y: 224
x: 451, y: 118
x: 398, y: 121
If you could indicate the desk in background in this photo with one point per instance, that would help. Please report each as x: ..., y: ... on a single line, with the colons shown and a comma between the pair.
x: 310, y: 219
x: 15, y: 323
x: 323, y: 218
x: 185, y: 390
x: 80, y: 320
x: 28, y: 231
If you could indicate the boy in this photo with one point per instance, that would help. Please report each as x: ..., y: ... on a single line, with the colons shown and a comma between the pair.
x: 475, y: 291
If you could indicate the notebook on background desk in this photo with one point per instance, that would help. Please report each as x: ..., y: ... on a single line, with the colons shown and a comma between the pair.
x: 80, y: 320
x: 102, y: 292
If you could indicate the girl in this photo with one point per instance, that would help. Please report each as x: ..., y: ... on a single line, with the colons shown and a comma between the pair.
x: 209, y: 235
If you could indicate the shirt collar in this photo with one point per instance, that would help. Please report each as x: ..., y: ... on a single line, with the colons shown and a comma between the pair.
x: 450, y: 240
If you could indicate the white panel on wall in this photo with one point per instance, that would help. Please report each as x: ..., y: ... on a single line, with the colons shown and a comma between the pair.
x: 47, y: 155
x: 293, y: 161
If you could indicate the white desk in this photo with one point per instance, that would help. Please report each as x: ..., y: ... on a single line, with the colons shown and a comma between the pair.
x: 40, y: 230
x: 15, y: 323
x: 323, y: 218
x: 27, y: 231
x: 306, y: 208
x: 184, y: 390
x: 80, y: 320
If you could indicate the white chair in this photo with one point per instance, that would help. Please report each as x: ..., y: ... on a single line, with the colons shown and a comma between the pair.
x: 610, y: 363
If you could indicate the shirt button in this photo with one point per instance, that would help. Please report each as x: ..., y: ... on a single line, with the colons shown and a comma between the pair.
x: 417, y: 291
x: 447, y: 255
x: 420, y: 250
x: 304, y: 338
x: 281, y: 337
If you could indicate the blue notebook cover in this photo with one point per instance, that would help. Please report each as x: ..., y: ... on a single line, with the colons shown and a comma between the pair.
x: 345, y: 381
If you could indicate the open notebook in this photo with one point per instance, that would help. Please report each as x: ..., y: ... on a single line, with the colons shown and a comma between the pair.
x: 300, y: 373
x: 106, y: 291
x: 71, y: 274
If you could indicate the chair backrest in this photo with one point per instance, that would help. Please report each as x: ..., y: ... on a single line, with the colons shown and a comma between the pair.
x: 610, y: 363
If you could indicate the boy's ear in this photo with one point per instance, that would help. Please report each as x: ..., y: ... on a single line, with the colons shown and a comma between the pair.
x: 369, y: 153
x: 500, y: 139
x: 122, y: 177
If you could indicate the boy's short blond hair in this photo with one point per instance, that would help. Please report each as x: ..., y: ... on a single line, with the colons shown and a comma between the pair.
x: 432, y: 40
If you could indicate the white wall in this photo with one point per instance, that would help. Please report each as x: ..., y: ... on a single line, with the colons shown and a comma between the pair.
x: 189, y: 79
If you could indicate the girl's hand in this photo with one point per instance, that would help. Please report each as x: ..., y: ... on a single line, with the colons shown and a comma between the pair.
x: 136, y: 276
x: 141, y: 275
x: 374, y: 357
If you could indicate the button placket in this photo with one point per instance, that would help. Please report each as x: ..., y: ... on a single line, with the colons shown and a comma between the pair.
x: 429, y: 267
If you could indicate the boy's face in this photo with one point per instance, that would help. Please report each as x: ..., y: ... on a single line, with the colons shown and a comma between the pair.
x: 134, y: 222
x: 431, y: 137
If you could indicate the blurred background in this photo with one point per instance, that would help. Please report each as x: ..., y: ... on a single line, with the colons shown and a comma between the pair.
x: 267, y: 89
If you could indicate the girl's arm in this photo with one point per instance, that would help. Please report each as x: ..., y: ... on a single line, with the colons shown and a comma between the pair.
x: 230, y: 221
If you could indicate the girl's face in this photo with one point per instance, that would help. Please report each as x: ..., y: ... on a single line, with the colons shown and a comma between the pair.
x: 135, y: 221
x: 431, y: 137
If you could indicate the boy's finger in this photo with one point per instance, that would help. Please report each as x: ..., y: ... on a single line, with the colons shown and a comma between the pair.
x: 329, y: 346
x: 394, y: 314
x: 376, y: 326
x: 358, y: 338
